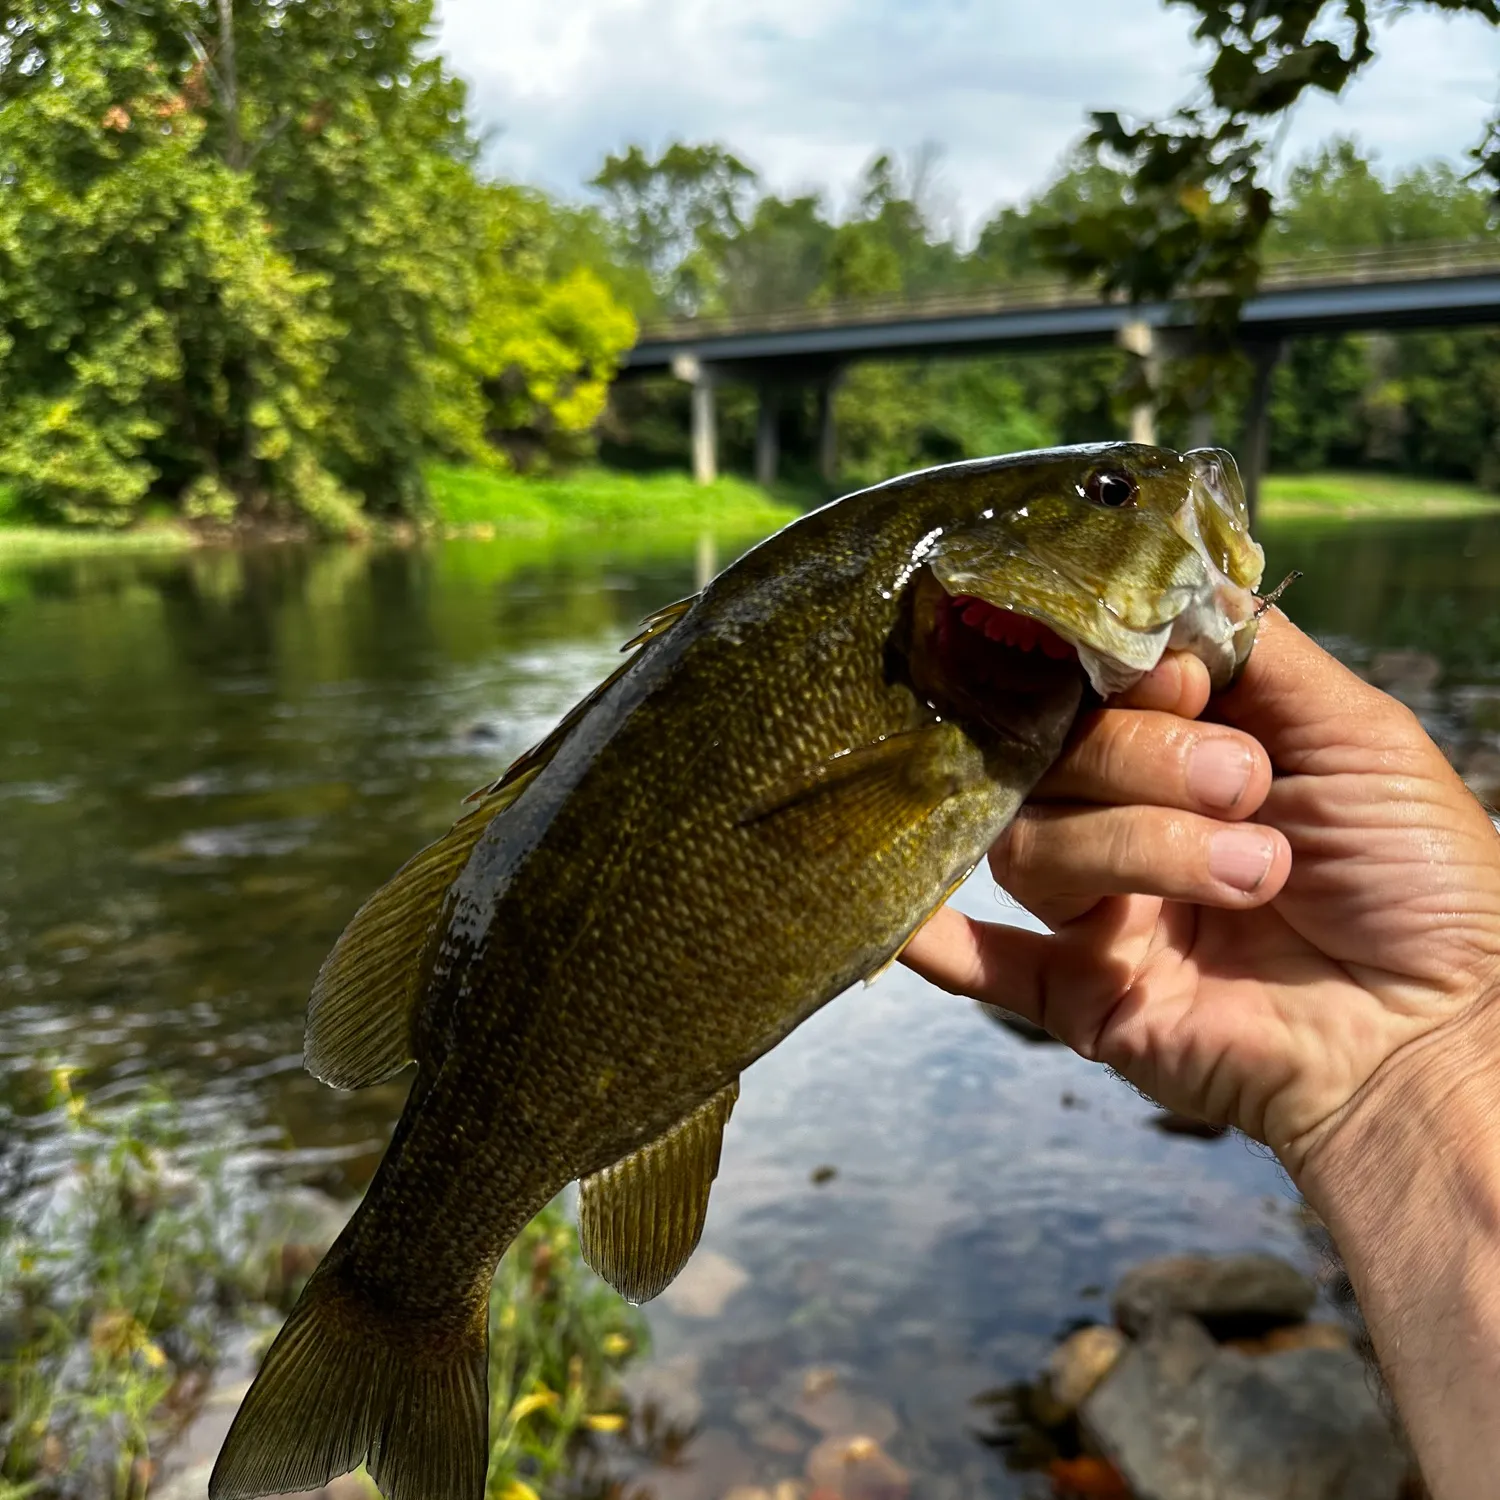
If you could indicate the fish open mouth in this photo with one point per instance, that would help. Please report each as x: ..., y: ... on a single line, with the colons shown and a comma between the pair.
x: 1007, y: 628
x: 980, y: 663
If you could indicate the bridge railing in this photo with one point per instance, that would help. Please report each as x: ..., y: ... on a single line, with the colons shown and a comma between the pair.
x: 1415, y: 262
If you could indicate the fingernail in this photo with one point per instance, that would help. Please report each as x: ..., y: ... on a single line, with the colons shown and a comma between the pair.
x: 1218, y: 772
x: 1240, y: 857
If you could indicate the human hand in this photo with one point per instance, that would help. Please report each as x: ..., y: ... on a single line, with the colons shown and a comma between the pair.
x: 1246, y: 949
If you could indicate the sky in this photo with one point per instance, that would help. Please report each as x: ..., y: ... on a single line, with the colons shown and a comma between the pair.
x: 808, y: 90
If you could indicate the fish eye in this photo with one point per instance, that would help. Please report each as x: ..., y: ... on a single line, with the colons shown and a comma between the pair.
x: 1112, y: 489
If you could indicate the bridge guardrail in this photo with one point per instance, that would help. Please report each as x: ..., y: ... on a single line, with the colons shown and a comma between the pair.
x: 1395, y: 263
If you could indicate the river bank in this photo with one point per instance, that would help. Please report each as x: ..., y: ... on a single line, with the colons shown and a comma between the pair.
x: 466, y: 501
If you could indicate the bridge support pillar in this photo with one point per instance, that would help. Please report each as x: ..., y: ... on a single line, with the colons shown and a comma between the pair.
x: 767, y: 435
x: 828, y: 432
x: 1264, y: 357
x: 705, y: 426
x: 1139, y: 338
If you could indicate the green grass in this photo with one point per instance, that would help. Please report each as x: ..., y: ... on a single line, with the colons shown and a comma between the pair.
x: 476, y: 500
x: 19, y: 543
x: 1387, y: 496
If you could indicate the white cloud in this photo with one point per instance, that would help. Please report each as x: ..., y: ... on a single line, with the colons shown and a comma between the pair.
x: 808, y: 90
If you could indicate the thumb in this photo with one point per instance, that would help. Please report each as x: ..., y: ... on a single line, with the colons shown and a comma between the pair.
x: 1299, y: 701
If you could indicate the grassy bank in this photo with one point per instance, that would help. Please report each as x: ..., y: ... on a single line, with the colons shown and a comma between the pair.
x: 476, y: 499
x: 478, y: 503
x: 1383, y: 496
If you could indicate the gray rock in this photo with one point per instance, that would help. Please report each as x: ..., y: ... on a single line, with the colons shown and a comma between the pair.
x: 1183, y: 1419
x: 288, y: 1237
x: 1230, y: 1294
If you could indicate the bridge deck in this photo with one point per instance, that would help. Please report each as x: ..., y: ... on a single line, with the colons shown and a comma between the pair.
x: 1407, y: 287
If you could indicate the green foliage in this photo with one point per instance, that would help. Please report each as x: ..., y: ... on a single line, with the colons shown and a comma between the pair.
x: 545, y: 348
x: 1336, y: 200
x: 893, y: 418
x: 1195, y: 212
x: 245, y: 266
x: 674, y: 215
x: 112, y: 1280
x: 558, y: 1340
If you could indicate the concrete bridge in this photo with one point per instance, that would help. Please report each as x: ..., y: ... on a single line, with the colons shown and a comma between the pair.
x: 1411, y: 287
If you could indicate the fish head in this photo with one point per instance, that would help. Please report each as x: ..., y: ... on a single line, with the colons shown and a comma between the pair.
x: 1115, y: 552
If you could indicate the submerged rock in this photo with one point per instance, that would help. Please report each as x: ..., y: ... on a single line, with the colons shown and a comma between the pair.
x: 706, y: 1284
x: 290, y: 1235
x: 1074, y: 1368
x: 1230, y: 1294
x: 1183, y: 1419
x: 856, y: 1468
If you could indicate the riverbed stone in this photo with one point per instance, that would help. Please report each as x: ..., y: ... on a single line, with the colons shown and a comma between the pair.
x: 1230, y: 1294
x: 705, y: 1286
x: 1184, y: 1419
x: 1074, y: 1368
x: 856, y: 1468
x: 290, y: 1235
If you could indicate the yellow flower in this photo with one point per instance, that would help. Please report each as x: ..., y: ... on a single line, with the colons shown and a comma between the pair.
x: 542, y: 1400
x: 605, y: 1421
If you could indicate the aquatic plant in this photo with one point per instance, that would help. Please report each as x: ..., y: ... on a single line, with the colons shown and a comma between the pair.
x: 558, y: 1340
x: 116, y: 1260
x: 126, y: 1250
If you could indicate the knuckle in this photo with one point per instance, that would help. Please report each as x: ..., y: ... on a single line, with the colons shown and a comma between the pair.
x: 1013, y: 849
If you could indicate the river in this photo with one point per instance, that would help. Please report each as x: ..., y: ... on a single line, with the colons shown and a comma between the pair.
x: 209, y: 759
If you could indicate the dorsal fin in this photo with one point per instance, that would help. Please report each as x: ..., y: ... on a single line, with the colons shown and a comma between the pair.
x: 640, y: 1220
x: 360, y: 1017
x: 655, y: 624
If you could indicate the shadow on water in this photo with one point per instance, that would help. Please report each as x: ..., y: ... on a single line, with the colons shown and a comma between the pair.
x: 210, y: 759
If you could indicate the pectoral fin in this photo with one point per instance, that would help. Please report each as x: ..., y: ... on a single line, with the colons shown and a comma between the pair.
x: 883, y: 789
x: 639, y: 1220
x: 360, y: 1018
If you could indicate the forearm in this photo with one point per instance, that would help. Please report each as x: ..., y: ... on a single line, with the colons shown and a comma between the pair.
x: 1409, y: 1185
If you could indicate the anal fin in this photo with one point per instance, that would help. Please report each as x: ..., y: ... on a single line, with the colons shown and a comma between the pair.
x: 640, y: 1219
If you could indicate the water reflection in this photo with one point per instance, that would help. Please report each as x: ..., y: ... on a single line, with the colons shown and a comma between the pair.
x: 210, y: 760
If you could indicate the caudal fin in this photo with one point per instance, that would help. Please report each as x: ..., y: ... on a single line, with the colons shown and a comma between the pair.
x: 343, y: 1385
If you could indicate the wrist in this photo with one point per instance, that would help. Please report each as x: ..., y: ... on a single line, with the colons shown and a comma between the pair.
x: 1432, y: 1108
x: 1407, y: 1180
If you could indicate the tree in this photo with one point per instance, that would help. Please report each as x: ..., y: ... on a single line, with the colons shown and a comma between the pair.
x: 779, y: 259
x: 142, y: 295
x: 1197, y: 210
x: 544, y: 346
x: 246, y: 266
x: 675, y: 214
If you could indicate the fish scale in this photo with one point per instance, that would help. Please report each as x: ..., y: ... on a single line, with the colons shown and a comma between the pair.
x: 782, y: 783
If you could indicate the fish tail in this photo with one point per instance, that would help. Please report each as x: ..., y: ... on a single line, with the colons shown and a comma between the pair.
x: 346, y: 1383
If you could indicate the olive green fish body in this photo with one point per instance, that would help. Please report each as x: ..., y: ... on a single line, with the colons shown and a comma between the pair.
x: 783, y: 783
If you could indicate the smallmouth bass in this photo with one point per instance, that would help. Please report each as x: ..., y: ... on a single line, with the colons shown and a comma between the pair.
x: 790, y: 774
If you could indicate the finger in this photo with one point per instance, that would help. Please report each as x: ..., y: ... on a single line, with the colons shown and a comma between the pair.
x: 1060, y: 861
x: 1310, y: 711
x: 1124, y: 756
x: 1055, y: 983
x: 1178, y: 684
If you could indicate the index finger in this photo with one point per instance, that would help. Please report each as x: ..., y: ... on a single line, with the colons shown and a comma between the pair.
x: 1177, y: 684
